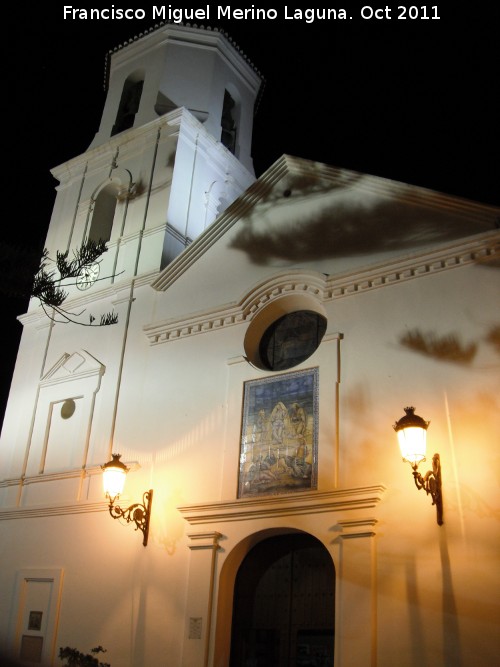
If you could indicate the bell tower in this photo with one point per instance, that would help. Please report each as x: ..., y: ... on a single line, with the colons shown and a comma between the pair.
x: 175, y: 67
x: 173, y: 150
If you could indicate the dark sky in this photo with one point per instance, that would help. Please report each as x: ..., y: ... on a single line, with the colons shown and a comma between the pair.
x: 414, y: 100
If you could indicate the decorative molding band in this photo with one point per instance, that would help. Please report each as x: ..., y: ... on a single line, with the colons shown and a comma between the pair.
x: 51, y: 477
x: 181, y: 32
x: 204, y: 540
x: 64, y: 474
x: 39, y: 511
x: 93, y: 372
x: 178, y: 236
x: 201, y: 323
x: 352, y: 536
x: 135, y: 140
x: 484, y: 249
x: 349, y: 524
x: 480, y: 250
x: 353, y: 528
x: 279, y: 506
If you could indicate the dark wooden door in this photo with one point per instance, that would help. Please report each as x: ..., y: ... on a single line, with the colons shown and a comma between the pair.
x: 284, y: 605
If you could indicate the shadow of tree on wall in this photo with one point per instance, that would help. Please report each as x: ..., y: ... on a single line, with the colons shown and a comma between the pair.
x: 472, y: 503
x: 452, y: 651
x: 313, y: 217
x: 448, y: 347
x: 443, y: 348
x: 493, y: 337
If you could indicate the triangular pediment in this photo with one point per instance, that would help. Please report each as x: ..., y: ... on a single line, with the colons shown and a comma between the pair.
x: 76, y: 364
x: 307, y: 215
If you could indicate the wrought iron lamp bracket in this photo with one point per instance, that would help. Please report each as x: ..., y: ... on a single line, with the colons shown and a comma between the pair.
x: 139, y: 513
x: 431, y: 483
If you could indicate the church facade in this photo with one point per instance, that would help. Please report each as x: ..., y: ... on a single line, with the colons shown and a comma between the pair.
x: 269, y: 334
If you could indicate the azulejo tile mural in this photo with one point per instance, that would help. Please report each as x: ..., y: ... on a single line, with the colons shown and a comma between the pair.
x: 278, y: 452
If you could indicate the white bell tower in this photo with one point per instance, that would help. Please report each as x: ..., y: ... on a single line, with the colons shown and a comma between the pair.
x: 176, y: 67
x: 173, y: 150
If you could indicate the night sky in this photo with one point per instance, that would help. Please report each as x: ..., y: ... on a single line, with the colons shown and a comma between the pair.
x: 413, y: 100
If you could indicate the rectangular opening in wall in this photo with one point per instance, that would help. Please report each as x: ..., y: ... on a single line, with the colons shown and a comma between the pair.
x: 31, y: 648
x: 34, y: 616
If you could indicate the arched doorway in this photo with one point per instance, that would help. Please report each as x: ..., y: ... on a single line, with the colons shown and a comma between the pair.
x: 284, y: 605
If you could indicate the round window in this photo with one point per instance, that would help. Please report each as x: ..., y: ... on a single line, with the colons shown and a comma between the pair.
x: 291, y: 339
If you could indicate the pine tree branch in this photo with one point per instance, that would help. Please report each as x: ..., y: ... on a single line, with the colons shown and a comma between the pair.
x: 48, y: 285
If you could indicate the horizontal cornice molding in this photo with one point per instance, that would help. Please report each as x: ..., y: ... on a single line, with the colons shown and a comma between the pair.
x: 135, y: 139
x: 191, y: 35
x: 247, y: 509
x: 484, y: 248
x: 53, y: 510
x: 59, y: 508
x: 61, y: 475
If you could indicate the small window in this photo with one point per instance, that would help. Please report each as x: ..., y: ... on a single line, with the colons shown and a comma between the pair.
x: 291, y: 339
x: 129, y: 103
x: 228, y: 123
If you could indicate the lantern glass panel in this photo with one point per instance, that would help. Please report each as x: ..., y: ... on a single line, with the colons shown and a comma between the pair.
x: 412, y: 442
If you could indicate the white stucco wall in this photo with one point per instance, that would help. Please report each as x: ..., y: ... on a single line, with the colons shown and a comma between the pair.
x: 164, y: 388
x: 177, y: 413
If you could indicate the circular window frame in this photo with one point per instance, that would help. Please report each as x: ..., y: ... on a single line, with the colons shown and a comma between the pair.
x: 270, y: 314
